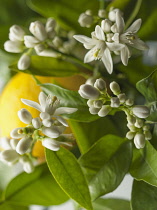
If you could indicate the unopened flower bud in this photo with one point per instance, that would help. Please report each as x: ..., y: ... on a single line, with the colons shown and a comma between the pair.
x: 57, y: 42
x: 16, y: 33
x: 52, y: 132
x: 48, y: 53
x: 93, y: 110
x: 25, y: 116
x: 146, y: 128
x: 102, y: 13
x: 16, y: 134
x: 131, y: 127
x: 90, y: 102
x: 38, y: 30
x: 13, y: 46
x: 122, y: 97
x: 23, y: 145
x: 106, y: 25
x: 36, y: 122
x: 28, y: 167
x: 130, y: 135
x: 129, y: 102
x: 115, y: 102
x: 30, y: 41
x: 5, y: 143
x: 9, y: 155
x: 100, y: 84
x: 39, y: 48
x: 112, y: 14
x: 51, y: 144
x: 45, y: 115
x: 115, y: 88
x: 104, y: 110
x: 141, y: 111
x: 24, y: 62
x: 148, y: 135
x: 88, y: 12
x: 139, y: 123
x: 98, y: 104
x: 85, y: 20
x: 139, y: 140
x: 50, y: 25
x: 13, y: 143
x: 91, y: 81
x: 89, y: 92
x: 131, y: 120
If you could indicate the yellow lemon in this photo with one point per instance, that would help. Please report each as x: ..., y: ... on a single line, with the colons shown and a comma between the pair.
x: 24, y: 86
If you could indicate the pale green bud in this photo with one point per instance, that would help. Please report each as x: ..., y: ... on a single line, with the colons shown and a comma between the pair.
x: 89, y: 92
x: 139, y: 140
x: 141, y: 111
x: 114, y: 86
x: 25, y: 116
x: 23, y: 145
x: 104, y: 110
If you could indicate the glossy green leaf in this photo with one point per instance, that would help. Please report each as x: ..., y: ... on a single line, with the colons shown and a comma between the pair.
x: 69, y: 98
x: 111, y: 204
x: 144, y: 196
x: 65, y: 12
x: 47, y: 66
x: 38, y: 188
x: 67, y: 172
x: 100, y: 153
x: 7, y: 206
x: 112, y: 173
x: 144, y: 164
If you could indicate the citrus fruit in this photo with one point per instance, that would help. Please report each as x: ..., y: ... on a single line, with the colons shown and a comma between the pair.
x: 24, y: 86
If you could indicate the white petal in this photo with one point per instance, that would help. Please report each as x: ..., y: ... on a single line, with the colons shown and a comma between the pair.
x: 89, y: 56
x: 51, y: 144
x: 119, y: 22
x: 125, y: 54
x: 32, y: 104
x: 83, y: 39
x: 52, y: 132
x: 99, y: 33
x: 107, y: 60
x: 135, y: 26
x: 5, y: 143
x: 89, y: 46
x: 114, y: 46
x: 62, y: 120
x: 65, y: 110
x: 14, y: 133
x: 42, y: 99
x: 139, y: 44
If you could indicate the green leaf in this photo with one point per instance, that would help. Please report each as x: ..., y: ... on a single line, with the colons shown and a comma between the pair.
x: 144, y: 196
x: 38, y: 188
x: 48, y: 66
x: 112, y: 173
x: 65, y: 12
x: 100, y: 153
x: 67, y: 172
x: 144, y: 164
x: 69, y: 98
x: 7, y: 206
x: 111, y: 204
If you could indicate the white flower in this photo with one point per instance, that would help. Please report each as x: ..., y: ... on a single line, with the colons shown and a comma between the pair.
x: 13, y: 46
x: 38, y: 30
x: 16, y: 33
x: 128, y: 37
x: 24, y: 62
x: 99, y: 48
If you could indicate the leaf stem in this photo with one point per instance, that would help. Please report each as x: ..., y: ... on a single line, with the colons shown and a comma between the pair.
x: 134, y: 13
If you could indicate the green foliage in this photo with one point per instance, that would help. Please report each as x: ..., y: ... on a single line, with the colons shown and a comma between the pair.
x: 37, y: 188
x: 8, y: 206
x: 67, y: 172
x: 144, y: 164
x: 144, y: 196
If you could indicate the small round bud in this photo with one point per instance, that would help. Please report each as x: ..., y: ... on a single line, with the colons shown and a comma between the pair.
x: 13, y: 46
x: 115, y: 102
x: 85, y: 20
x: 52, y: 132
x: 102, y: 13
x: 36, y: 122
x: 148, y: 135
x: 51, y: 144
x: 93, y: 110
x: 141, y: 111
x: 130, y: 135
x: 23, y: 145
x: 122, y: 97
x: 131, y: 120
x: 16, y: 33
x: 98, y: 104
x: 16, y: 134
x: 100, y: 84
x: 90, y: 102
x: 9, y: 155
x: 129, y: 102
x: 115, y: 88
x: 131, y: 127
x: 5, y: 143
x: 24, y: 62
x: 25, y: 116
x: 139, y: 140
x: 91, y: 81
x: 106, y: 25
x: 112, y: 14
x: 104, y: 110
x: 28, y: 167
x: 38, y: 30
x: 89, y: 92
x: 139, y: 123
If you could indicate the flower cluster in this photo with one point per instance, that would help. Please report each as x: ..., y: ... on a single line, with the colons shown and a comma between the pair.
x: 101, y: 103
x: 49, y: 128
x: 110, y: 37
x: 44, y: 39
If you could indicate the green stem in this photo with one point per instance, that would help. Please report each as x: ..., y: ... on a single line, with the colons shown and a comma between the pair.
x: 134, y: 13
x: 102, y: 4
